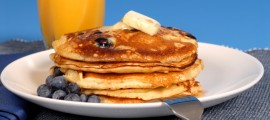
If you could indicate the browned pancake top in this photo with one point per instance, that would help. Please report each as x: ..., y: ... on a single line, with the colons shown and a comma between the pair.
x: 96, y: 45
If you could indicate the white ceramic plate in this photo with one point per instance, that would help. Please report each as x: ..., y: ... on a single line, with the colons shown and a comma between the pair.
x: 227, y: 73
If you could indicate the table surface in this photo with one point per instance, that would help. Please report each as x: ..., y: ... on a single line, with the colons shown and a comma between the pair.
x: 252, y: 104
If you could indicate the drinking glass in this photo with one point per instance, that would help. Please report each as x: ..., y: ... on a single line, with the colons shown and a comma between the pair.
x: 58, y: 17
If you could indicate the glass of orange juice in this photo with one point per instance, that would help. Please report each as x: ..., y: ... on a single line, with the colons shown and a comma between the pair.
x: 58, y: 17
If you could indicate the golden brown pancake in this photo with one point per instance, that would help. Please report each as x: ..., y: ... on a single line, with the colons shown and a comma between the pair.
x: 190, y: 86
x: 104, y: 45
x: 112, y: 81
x: 117, y: 100
x: 121, y: 67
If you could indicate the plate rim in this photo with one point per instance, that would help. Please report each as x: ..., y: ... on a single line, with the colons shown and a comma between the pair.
x: 243, y: 88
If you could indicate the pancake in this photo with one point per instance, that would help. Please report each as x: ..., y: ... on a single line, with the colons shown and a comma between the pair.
x: 104, y: 45
x: 190, y: 86
x: 121, y: 67
x: 117, y: 100
x: 112, y: 81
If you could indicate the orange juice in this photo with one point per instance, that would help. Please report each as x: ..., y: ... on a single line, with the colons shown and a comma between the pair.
x: 58, y: 17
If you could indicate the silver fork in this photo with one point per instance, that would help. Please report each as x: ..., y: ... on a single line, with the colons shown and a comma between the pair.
x: 185, y: 107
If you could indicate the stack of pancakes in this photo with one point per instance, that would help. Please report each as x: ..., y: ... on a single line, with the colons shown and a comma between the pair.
x: 130, y: 66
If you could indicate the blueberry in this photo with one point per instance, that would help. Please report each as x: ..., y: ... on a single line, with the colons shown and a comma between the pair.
x: 59, y: 83
x: 44, y: 91
x: 83, y: 97
x: 93, y: 99
x: 98, y: 32
x: 59, y: 94
x: 49, y: 80
x: 73, y: 88
x: 72, y: 97
x: 57, y: 72
x: 190, y: 36
x: 170, y: 27
x: 103, y: 42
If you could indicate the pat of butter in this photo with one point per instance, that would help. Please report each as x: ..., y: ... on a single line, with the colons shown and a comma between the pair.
x: 141, y: 22
x: 120, y: 25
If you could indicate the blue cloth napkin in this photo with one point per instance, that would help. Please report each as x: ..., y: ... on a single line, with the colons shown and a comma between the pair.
x: 12, y: 107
